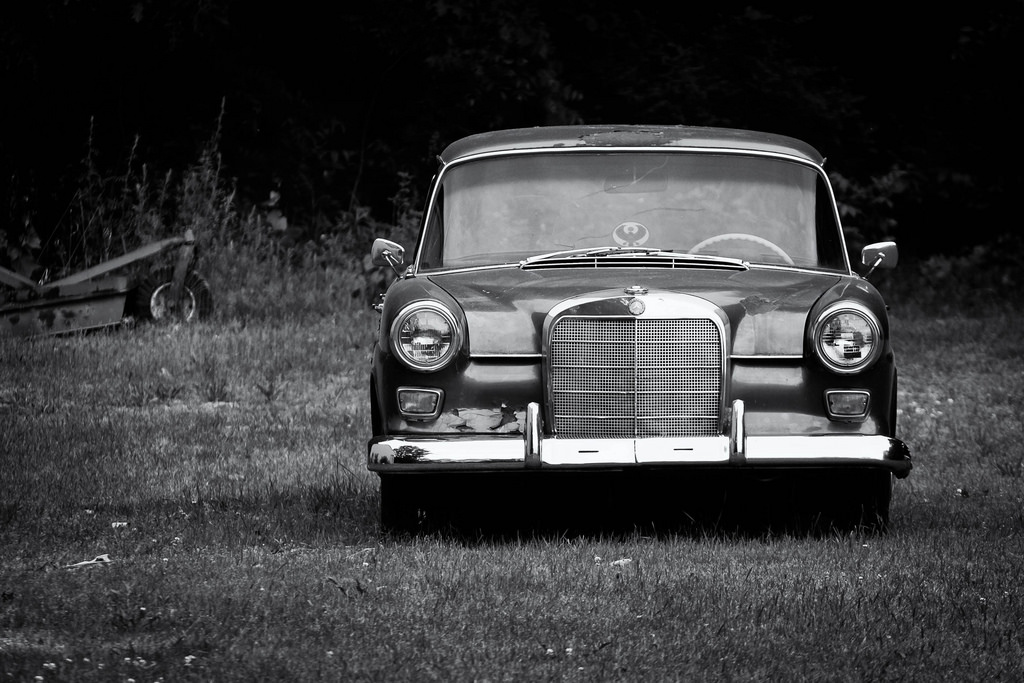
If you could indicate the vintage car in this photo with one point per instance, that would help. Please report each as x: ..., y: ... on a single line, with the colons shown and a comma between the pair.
x: 613, y: 299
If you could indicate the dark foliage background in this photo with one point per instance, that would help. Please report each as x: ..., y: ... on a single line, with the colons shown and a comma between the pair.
x: 343, y: 105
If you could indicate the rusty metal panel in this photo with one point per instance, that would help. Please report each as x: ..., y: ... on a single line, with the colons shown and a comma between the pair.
x: 73, y: 308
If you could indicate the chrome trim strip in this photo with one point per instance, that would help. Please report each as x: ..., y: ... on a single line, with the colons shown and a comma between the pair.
x: 698, y: 450
x: 505, y: 356
x: 533, y: 436
x: 588, y: 452
x: 738, y: 433
x: 497, y: 453
x: 799, y: 269
x: 829, y: 449
x: 767, y: 356
x: 411, y: 453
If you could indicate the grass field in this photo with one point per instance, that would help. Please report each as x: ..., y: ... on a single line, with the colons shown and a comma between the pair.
x: 216, y: 476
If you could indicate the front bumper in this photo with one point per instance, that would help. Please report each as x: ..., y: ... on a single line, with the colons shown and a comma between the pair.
x: 532, y: 450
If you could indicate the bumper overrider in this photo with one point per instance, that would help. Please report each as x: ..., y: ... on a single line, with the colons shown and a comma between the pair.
x: 531, y: 449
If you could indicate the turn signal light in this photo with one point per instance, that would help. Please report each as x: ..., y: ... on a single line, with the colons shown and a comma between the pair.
x: 847, y: 405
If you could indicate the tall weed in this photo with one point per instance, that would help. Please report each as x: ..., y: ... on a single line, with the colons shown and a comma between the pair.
x: 259, y: 266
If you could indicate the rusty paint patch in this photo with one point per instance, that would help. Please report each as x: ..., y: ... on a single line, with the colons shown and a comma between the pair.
x: 756, y: 305
x: 501, y: 420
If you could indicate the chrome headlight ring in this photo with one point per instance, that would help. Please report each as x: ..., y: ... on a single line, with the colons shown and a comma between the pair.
x: 426, y: 336
x: 847, y: 337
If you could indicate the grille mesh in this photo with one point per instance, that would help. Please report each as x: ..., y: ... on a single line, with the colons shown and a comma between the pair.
x: 635, y: 378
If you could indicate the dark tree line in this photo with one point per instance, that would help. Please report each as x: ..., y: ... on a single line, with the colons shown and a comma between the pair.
x: 328, y: 105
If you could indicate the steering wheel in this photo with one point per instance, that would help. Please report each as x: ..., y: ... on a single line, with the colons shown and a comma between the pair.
x: 743, y: 237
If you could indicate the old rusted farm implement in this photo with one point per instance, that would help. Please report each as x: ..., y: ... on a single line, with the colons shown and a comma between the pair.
x: 96, y: 297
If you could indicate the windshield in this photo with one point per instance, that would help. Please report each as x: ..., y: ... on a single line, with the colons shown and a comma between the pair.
x: 505, y: 209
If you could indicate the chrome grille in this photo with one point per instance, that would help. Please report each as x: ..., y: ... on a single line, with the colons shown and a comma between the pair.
x: 635, y: 377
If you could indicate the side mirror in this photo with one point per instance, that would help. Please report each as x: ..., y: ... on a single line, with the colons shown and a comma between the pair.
x: 879, y: 255
x: 387, y: 253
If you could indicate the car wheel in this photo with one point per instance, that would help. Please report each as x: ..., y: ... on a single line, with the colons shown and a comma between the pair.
x: 872, y: 508
x: 152, y: 301
x: 861, y: 501
x: 399, y: 508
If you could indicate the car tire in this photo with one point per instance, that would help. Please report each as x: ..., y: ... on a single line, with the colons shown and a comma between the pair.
x: 862, y: 501
x: 872, y: 508
x: 150, y: 300
x: 399, y: 509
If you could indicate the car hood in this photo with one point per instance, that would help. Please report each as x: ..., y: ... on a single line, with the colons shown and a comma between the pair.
x: 505, y: 309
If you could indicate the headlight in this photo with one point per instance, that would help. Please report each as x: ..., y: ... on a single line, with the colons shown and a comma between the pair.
x: 425, y: 336
x: 847, y: 337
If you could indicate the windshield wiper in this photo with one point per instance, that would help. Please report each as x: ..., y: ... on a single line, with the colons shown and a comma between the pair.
x: 588, y: 252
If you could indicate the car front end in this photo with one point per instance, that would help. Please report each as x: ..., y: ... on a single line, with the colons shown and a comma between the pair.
x: 608, y: 299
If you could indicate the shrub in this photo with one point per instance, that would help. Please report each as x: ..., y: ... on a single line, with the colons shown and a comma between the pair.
x: 978, y: 280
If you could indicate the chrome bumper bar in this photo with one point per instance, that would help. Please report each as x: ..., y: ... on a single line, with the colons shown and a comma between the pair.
x: 532, y: 450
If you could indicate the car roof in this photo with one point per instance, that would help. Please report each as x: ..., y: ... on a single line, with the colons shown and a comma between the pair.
x: 629, y: 136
